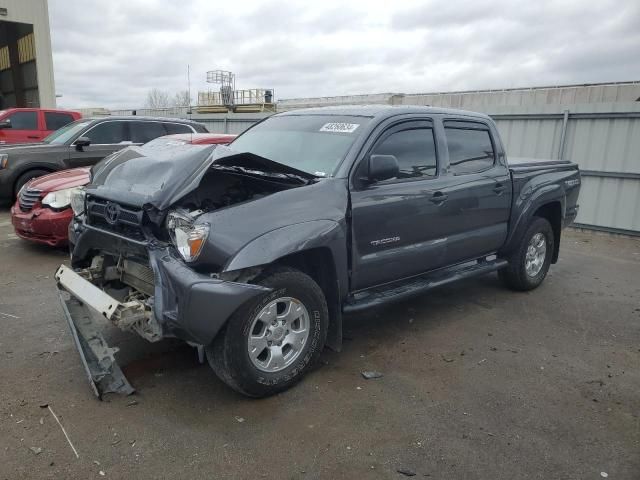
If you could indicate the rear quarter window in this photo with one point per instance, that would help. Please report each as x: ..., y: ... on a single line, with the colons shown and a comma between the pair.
x: 174, y: 128
x: 200, y: 128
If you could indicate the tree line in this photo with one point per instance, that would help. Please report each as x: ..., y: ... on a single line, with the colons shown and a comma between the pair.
x: 157, y: 98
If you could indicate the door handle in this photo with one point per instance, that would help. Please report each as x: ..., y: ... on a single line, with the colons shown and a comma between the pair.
x: 438, y: 198
x: 33, y: 136
x: 499, y: 189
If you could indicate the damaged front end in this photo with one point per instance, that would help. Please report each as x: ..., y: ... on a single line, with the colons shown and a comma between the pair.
x: 148, y: 265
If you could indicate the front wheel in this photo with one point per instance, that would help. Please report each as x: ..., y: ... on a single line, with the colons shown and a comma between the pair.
x: 529, y: 264
x: 271, y: 342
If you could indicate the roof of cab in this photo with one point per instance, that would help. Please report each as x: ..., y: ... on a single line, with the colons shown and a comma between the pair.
x: 381, y: 111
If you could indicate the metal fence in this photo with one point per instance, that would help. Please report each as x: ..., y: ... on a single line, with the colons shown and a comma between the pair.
x: 606, y: 146
x: 603, y: 139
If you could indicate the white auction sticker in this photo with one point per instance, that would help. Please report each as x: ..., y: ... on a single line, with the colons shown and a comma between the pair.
x: 340, y: 127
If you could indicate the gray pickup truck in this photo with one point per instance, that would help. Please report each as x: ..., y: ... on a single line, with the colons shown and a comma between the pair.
x: 254, y: 252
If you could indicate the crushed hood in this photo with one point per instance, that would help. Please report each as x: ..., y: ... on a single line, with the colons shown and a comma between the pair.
x: 140, y: 177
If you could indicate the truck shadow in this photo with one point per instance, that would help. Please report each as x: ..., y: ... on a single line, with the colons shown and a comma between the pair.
x: 170, y: 364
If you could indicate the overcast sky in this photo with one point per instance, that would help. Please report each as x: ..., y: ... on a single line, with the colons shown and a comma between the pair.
x: 110, y: 53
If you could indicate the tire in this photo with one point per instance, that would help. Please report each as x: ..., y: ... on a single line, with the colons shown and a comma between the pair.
x: 229, y: 355
x: 25, y: 177
x: 515, y: 275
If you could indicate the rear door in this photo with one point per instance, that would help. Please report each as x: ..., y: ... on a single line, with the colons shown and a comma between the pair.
x: 143, y: 132
x: 106, y: 137
x: 55, y: 120
x: 479, y: 192
x: 397, y: 224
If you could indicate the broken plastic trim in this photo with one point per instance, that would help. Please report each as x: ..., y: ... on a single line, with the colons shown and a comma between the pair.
x: 103, y: 372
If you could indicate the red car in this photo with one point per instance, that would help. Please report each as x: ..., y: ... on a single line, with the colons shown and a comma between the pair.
x: 42, y: 212
x: 31, y: 125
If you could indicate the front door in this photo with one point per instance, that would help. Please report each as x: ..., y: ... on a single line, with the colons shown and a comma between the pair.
x: 396, y: 224
x: 24, y: 128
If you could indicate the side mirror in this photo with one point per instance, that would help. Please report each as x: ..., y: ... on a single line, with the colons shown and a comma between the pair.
x: 5, y: 124
x: 82, y: 142
x: 383, y: 167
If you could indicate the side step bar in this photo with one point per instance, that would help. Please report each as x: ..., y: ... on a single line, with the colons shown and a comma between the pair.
x: 408, y: 288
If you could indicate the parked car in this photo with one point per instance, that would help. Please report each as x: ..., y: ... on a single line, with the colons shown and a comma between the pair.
x: 42, y: 211
x: 81, y: 143
x: 32, y: 125
x: 254, y: 254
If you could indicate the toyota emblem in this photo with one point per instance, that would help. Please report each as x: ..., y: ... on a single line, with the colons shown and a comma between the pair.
x: 112, y: 212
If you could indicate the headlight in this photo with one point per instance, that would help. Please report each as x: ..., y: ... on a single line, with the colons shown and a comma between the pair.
x: 187, y: 237
x: 58, y: 199
x: 77, y: 200
x: 4, y: 160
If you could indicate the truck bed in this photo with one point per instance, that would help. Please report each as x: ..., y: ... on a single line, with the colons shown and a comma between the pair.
x: 521, y: 163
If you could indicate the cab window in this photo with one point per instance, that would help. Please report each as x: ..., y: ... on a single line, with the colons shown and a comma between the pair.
x: 415, y: 150
x: 23, y: 120
x: 56, y: 120
x: 108, y: 133
x: 143, y: 132
x: 470, y: 147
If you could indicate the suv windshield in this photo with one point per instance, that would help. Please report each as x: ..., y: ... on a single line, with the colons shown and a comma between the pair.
x: 312, y: 143
x: 66, y: 133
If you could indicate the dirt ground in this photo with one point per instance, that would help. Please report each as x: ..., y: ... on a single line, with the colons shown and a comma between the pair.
x: 479, y: 383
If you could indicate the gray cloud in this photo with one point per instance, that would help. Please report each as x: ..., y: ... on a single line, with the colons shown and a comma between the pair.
x: 111, y: 53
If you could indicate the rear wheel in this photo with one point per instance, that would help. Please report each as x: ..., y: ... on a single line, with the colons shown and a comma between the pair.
x: 529, y: 264
x: 271, y: 342
x: 25, y: 177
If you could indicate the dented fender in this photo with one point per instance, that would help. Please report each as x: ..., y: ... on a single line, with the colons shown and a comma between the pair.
x: 283, y: 241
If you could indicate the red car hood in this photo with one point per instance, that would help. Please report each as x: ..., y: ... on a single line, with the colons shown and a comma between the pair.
x: 76, y: 177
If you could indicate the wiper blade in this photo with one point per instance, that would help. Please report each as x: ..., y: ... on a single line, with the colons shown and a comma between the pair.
x: 262, y: 173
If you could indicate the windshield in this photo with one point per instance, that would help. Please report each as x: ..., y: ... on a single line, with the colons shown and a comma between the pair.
x: 66, y: 133
x: 312, y: 143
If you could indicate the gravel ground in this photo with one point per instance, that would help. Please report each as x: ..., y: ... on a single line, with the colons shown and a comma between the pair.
x: 479, y: 383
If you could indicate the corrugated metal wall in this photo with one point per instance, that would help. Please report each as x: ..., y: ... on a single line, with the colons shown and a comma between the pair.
x: 522, y: 97
x: 604, y: 139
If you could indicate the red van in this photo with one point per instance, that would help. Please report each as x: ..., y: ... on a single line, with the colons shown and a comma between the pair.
x: 30, y: 125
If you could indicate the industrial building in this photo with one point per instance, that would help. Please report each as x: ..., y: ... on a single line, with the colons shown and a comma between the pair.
x: 26, y: 63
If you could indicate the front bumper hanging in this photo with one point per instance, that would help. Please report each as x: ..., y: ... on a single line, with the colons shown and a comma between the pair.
x: 103, y: 372
x: 186, y: 304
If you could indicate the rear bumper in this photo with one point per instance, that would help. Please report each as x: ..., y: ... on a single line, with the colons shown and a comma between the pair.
x: 42, y: 225
x: 570, y: 216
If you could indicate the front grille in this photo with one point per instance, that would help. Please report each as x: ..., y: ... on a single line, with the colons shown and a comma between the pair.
x: 127, y: 223
x: 28, y: 198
